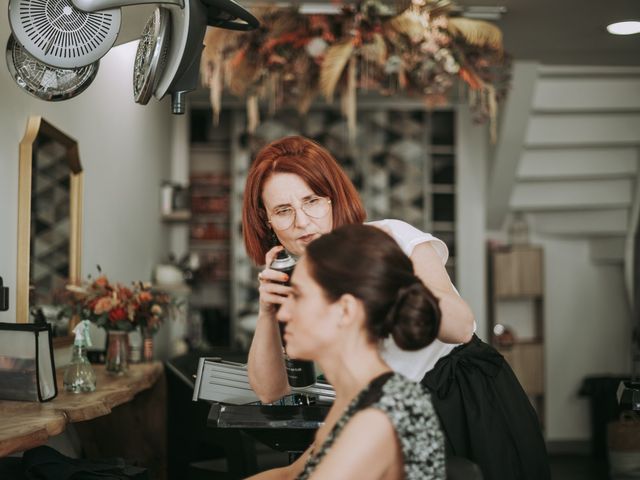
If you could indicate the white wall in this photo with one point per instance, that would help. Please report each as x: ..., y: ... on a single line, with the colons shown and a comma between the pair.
x: 125, y: 150
x: 472, y: 150
x: 586, y: 314
x: 587, y: 331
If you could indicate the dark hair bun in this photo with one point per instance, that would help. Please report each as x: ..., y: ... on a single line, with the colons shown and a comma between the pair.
x: 414, y: 320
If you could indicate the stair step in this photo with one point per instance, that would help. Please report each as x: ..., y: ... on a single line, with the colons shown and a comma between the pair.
x: 577, y: 194
x: 581, y: 223
x: 583, y: 129
x: 587, y: 94
x: 577, y: 163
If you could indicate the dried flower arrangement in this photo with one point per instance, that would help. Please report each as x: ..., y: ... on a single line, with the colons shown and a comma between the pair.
x: 422, y: 51
x: 114, y: 306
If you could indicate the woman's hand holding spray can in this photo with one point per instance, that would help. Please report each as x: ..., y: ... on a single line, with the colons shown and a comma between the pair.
x: 300, y: 373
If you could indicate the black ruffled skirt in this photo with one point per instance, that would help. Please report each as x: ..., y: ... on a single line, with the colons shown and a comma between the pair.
x: 485, y: 414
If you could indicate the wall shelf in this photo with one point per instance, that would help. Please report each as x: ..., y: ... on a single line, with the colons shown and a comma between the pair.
x: 177, y: 216
x: 403, y: 164
x: 516, y: 302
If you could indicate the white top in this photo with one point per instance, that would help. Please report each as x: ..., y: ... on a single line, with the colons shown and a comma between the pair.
x: 413, y: 364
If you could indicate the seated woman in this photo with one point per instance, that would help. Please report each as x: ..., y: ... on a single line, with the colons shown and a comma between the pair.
x: 351, y: 289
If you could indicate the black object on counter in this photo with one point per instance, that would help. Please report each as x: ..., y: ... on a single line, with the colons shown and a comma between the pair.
x: 284, y: 428
x: 27, y: 371
x: 4, y: 297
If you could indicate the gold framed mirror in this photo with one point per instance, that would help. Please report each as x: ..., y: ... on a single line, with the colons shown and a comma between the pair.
x: 49, y: 222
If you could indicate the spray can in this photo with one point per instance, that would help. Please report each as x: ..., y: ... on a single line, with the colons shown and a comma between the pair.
x: 300, y: 373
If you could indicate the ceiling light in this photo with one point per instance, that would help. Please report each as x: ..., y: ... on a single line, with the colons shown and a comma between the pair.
x: 624, y: 28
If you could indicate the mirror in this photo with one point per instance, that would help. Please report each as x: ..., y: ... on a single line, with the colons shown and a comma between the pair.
x: 49, y: 223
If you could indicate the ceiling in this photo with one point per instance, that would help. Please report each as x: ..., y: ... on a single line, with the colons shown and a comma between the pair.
x: 567, y: 32
x: 557, y: 32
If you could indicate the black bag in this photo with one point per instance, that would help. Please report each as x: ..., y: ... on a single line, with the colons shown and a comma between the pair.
x: 27, y: 369
x: 45, y: 463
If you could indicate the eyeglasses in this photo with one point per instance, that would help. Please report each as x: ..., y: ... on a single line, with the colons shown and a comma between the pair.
x: 314, y: 207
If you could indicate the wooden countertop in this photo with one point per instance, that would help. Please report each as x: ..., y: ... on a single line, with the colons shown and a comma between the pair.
x: 24, y: 425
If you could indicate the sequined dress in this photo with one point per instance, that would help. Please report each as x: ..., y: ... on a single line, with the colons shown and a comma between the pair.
x: 408, y: 406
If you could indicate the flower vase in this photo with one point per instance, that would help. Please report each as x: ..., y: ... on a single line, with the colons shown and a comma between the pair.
x: 147, y: 345
x: 117, y: 362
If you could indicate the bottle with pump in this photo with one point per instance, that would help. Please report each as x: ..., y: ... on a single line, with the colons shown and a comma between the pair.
x: 79, y: 376
x: 300, y: 373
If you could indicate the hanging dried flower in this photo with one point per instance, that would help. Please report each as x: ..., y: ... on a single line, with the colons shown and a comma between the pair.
x: 422, y: 51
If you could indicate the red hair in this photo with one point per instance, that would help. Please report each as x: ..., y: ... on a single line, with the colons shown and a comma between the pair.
x: 317, y: 167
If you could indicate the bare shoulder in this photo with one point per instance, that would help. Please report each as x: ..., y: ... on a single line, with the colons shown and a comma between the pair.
x: 366, y: 429
x: 371, y: 421
x: 363, y: 446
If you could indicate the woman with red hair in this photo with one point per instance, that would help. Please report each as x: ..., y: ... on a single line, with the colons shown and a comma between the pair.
x: 295, y: 192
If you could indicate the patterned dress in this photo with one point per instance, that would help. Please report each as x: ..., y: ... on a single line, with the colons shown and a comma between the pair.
x: 408, y: 406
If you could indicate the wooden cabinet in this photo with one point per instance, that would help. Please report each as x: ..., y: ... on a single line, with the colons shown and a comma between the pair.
x: 516, y: 308
x: 517, y: 273
x: 526, y: 360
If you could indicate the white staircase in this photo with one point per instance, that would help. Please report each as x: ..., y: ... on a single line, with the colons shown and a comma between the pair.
x: 568, y: 154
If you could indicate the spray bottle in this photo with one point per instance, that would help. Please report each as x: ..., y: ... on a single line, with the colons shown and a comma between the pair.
x: 79, y: 376
x: 300, y: 373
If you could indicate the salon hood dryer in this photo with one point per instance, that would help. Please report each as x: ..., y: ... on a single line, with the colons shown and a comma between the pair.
x: 71, y: 34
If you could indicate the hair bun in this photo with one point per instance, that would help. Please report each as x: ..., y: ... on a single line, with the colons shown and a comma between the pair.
x: 414, y: 319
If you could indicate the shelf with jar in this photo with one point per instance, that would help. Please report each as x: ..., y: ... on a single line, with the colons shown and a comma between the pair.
x: 174, y: 202
x: 209, y: 228
x: 209, y: 209
x: 177, y: 216
x: 516, y: 314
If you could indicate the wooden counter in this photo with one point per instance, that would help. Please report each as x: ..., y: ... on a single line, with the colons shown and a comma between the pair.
x: 24, y: 425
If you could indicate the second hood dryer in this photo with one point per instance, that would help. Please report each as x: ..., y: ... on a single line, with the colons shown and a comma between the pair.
x: 76, y: 33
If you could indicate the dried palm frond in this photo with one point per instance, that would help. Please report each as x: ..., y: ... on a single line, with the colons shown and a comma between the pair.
x: 211, y: 65
x: 336, y: 57
x: 211, y: 54
x: 215, y: 91
x: 408, y: 23
x: 375, y: 51
x: 493, y: 112
x: 253, y: 113
x: 437, y: 7
x: 348, y: 100
x: 476, y: 32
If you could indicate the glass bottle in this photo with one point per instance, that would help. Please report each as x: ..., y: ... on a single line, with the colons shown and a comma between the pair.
x: 147, y: 345
x: 79, y: 376
x: 117, y: 361
x: 519, y: 230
